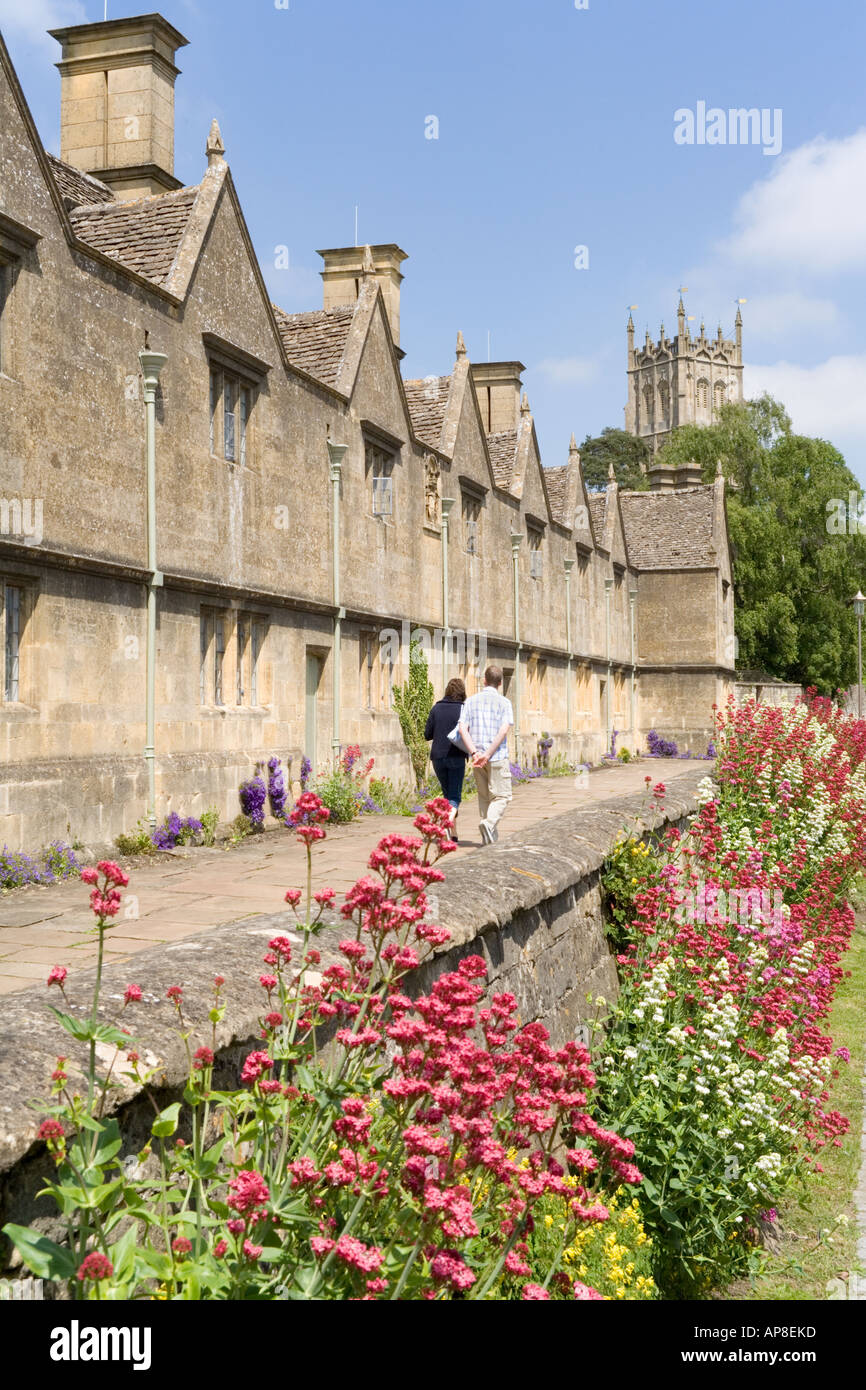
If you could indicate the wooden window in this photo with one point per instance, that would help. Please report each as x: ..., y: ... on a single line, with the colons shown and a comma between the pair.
x: 536, y: 561
x: 471, y: 509
x: 379, y: 465
x: 231, y: 410
x: 12, y: 643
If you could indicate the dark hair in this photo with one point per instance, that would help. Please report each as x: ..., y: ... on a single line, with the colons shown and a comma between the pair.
x: 455, y: 690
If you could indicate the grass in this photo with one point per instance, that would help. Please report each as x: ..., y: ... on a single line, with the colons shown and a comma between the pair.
x: 817, y: 1247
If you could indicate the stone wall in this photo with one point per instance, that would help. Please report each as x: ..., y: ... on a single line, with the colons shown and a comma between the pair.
x: 531, y: 906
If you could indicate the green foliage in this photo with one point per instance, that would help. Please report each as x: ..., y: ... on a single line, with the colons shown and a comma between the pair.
x: 792, y: 578
x: 139, y: 842
x: 209, y: 821
x: 624, y: 755
x: 338, y: 791
x: 413, y: 703
x: 242, y: 826
x: 391, y: 799
x: 626, y: 452
x: 559, y: 766
x: 630, y: 869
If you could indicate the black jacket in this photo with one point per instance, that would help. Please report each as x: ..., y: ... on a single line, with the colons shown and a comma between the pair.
x: 440, y: 721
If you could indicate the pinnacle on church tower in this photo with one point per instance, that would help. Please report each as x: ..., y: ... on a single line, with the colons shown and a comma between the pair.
x: 524, y: 404
x: 461, y: 347
x: 572, y: 447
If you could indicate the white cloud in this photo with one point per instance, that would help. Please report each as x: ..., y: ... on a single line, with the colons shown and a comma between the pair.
x: 827, y: 399
x: 29, y: 21
x: 571, y: 371
x: 810, y: 214
x: 773, y: 315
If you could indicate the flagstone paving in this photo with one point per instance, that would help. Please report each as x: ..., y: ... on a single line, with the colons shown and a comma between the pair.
x: 191, y: 890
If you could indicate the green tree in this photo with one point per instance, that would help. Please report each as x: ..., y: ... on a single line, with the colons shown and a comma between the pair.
x: 625, y: 451
x: 793, y: 573
x: 413, y: 702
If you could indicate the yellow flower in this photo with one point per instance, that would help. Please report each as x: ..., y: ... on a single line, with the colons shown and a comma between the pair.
x: 548, y: 1221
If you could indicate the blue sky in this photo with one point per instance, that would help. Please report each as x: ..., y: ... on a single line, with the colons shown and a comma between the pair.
x: 556, y: 130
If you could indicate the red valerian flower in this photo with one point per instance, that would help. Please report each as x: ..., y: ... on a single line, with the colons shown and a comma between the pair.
x: 132, y: 994
x: 247, y: 1189
x: 57, y: 975
x: 534, y: 1292
x: 254, y: 1065
x: 95, y: 1266
x: 175, y: 994
x: 203, y: 1058
x: 181, y: 1246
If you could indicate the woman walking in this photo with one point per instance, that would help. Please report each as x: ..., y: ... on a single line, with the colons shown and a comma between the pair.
x: 449, y: 763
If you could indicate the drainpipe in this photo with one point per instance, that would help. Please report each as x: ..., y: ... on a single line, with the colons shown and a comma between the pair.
x: 152, y: 364
x: 608, y: 585
x: 516, y: 538
x: 336, y: 454
x: 446, y: 504
x: 569, y: 714
x: 632, y: 596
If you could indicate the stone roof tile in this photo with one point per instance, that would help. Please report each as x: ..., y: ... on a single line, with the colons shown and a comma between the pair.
x: 315, y: 341
x: 427, y: 399
x: 75, y: 186
x: 503, y: 448
x: 557, y: 490
x: 597, y: 510
x: 670, y: 529
x: 143, y: 234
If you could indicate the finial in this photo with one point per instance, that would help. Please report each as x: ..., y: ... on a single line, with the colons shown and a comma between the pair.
x: 611, y: 475
x: 630, y: 323
x: 572, y: 444
x: 461, y: 346
x: 719, y: 473
x: 367, y: 266
x: 662, y: 332
x: 524, y: 405
x: 702, y: 328
x: 214, y: 149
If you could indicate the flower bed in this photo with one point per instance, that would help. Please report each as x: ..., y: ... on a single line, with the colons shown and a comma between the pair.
x: 716, y: 1065
x: 405, y: 1160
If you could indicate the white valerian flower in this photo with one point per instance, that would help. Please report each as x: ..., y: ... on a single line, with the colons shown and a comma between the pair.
x: 652, y: 1079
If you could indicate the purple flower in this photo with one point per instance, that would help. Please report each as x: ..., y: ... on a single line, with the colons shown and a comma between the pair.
x: 252, y: 798
x: 306, y: 773
x: 175, y: 831
x: 276, y: 789
x: 659, y: 747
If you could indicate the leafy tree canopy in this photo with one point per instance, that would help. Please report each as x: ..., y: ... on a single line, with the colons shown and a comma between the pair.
x: 796, y: 563
x: 625, y: 451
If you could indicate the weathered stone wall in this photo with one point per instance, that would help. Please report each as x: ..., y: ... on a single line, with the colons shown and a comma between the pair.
x: 530, y: 906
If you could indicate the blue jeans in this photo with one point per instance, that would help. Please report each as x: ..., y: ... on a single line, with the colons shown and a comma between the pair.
x: 450, y: 772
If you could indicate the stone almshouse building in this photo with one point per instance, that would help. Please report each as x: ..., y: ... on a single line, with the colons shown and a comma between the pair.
x: 305, y: 499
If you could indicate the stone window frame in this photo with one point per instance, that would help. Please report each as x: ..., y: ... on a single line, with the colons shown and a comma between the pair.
x: 471, y: 505
x: 534, y: 545
x: 702, y: 393
x: 16, y: 241
x: 212, y: 654
x: 237, y: 375
x: 381, y: 454
x: 12, y: 666
x: 250, y: 637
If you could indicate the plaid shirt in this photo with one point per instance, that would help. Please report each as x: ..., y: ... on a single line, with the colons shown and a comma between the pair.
x: 483, y: 715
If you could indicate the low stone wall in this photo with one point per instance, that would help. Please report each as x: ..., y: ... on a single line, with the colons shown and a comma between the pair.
x: 531, y: 906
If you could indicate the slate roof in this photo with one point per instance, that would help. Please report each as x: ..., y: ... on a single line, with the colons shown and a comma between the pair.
x: 315, y: 341
x: 427, y: 399
x: 142, y: 234
x: 503, y: 448
x: 670, y: 530
x: 75, y: 186
x: 557, y: 490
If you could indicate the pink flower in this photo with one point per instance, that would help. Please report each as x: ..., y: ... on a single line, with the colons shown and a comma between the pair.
x: 584, y: 1293
x: 273, y: 1020
x: 325, y: 896
x: 251, y: 1251
x: 448, y: 1268
x: 293, y: 897
x: 203, y: 1058
x: 303, y: 1170
x: 255, y: 1064
x: 534, y: 1292
x: 95, y: 1266
x: 283, y: 947
x: 366, y: 1258
x: 57, y: 975
x: 219, y: 981
x: 220, y: 1248
x: 321, y: 1246
x: 268, y: 982
x: 247, y: 1190
x: 132, y: 994
x: 89, y: 876
x: 51, y: 1129
x: 236, y: 1226
x: 181, y: 1246
x: 175, y: 994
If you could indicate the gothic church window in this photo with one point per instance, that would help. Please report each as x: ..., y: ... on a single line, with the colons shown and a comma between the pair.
x: 703, y: 393
x: 719, y: 395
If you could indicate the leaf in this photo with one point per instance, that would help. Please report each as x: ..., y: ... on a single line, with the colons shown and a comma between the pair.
x: 81, y: 1029
x: 46, y: 1259
x: 109, y: 1144
x: 165, y: 1123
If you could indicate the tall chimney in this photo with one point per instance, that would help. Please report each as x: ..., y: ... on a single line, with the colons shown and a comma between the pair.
x: 117, y: 102
x: 498, y: 386
x: 346, y: 266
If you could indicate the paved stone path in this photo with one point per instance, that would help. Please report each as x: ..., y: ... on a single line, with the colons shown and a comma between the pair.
x: 195, y: 889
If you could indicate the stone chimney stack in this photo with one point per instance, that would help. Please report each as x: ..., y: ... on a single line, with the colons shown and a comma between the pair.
x: 117, y: 102
x: 498, y: 387
x: 346, y: 266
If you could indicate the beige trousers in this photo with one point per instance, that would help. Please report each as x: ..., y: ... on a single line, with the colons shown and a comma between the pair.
x: 494, y: 790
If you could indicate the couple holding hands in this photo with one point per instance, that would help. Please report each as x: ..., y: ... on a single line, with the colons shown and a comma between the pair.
x: 475, y: 729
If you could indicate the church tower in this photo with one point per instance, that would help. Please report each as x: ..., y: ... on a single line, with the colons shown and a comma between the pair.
x: 681, y: 380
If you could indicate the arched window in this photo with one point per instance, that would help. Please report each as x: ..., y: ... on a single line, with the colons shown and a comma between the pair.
x: 664, y: 398
x: 648, y: 400
x: 718, y: 395
x: 703, y: 393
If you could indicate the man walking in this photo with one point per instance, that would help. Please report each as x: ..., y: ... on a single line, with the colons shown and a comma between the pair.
x: 484, y: 726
